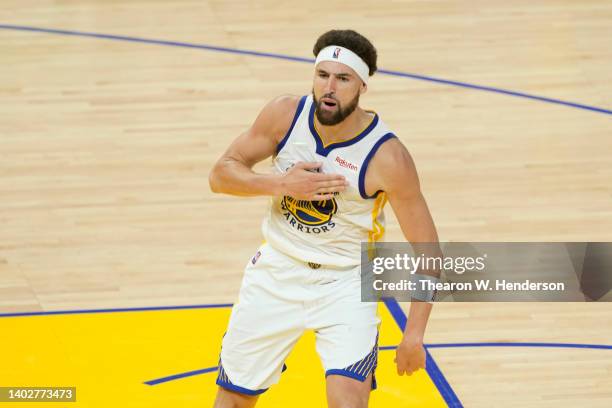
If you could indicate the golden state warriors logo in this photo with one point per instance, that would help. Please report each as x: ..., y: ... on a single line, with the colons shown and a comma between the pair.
x: 311, y: 212
x: 309, y: 216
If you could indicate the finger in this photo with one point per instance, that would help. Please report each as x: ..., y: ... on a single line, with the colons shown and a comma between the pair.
x: 328, y: 177
x: 328, y: 194
x: 322, y: 196
x: 331, y: 183
x: 331, y: 186
x: 417, y: 368
x: 308, y: 165
x: 330, y: 190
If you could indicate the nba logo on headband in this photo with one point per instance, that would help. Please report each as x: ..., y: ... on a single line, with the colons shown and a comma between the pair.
x: 337, y: 53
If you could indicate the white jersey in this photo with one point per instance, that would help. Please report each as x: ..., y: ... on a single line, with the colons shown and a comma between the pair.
x: 327, y: 232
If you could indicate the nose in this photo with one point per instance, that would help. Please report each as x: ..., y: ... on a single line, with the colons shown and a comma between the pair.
x: 330, y: 85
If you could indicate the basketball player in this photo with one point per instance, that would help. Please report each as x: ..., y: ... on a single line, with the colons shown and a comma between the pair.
x: 335, y: 167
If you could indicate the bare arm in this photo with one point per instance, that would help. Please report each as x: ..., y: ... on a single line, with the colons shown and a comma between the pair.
x: 233, y: 173
x: 393, y: 171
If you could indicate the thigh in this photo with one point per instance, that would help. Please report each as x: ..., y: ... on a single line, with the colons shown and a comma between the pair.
x: 346, y: 328
x: 262, y: 330
x: 347, y: 340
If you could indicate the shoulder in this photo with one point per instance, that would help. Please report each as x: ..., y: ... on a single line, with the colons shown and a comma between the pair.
x: 280, y: 110
x: 284, y: 105
x: 277, y: 115
x: 392, y: 153
x: 392, y: 166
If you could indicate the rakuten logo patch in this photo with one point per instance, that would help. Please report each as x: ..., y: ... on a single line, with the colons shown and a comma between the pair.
x: 345, y: 163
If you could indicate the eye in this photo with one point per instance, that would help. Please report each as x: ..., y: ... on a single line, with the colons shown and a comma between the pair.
x: 323, y: 75
x: 344, y: 79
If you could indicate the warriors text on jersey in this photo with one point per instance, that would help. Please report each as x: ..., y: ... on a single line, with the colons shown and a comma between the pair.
x: 327, y: 232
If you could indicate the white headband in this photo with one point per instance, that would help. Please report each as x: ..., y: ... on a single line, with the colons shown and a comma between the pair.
x: 335, y: 53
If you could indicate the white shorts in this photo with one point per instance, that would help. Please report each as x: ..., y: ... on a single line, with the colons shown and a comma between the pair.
x: 280, y: 298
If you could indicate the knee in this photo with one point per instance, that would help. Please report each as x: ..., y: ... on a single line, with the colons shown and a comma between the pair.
x: 349, y: 401
x: 354, y: 403
x: 230, y: 399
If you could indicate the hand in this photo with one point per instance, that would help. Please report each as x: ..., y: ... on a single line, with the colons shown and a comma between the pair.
x: 409, y: 356
x: 302, y: 183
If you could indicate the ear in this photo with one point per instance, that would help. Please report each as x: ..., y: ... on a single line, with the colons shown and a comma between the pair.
x: 363, y: 88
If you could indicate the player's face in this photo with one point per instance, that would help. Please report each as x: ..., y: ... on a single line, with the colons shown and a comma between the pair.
x: 336, y: 91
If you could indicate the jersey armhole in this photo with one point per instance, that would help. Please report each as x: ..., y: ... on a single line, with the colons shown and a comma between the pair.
x: 366, y: 162
x: 298, y: 111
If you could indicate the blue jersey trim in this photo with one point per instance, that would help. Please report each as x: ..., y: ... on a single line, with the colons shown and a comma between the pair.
x: 324, y: 151
x: 366, y: 162
x: 241, y: 390
x: 224, y: 381
x: 362, y: 368
x: 346, y: 373
x: 295, y: 118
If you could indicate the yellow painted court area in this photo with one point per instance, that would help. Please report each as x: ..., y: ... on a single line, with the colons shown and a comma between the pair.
x: 109, y: 356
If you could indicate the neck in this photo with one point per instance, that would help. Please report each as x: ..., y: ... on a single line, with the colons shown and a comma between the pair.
x: 347, y: 129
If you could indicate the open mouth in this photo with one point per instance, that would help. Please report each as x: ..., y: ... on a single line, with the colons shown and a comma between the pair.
x: 328, y: 103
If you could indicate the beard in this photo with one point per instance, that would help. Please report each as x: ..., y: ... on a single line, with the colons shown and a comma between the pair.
x: 331, y: 118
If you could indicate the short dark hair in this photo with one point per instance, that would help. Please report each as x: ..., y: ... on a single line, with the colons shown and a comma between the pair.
x: 353, y: 41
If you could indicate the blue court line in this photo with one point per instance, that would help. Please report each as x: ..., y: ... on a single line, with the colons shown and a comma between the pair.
x: 209, y: 370
x: 392, y: 305
x: 431, y: 367
x: 501, y: 344
x: 497, y: 90
x: 181, y: 375
x: 387, y: 348
x: 304, y: 60
x: 127, y: 309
